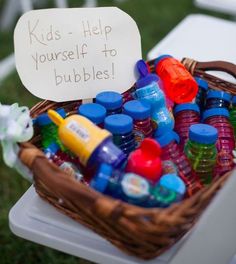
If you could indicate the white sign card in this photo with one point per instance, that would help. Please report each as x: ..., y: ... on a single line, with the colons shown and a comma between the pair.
x: 70, y: 54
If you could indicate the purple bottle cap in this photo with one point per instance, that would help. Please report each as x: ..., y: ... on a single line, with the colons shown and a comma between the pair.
x: 145, y: 77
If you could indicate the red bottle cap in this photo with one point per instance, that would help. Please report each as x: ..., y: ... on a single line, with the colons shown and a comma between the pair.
x: 146, y: 161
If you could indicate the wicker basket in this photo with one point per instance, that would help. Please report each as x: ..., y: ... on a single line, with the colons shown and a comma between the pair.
x: 144, y: 233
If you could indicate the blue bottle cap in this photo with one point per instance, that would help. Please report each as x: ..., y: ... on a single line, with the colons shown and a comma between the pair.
x: 52, y: 148
x: 118, y: 124
x: 219, y: 94
x: 160, y: 58
x: 138, y: 110
x: 202, y: 83
x: 94, y: 112
x: 215, y: 112
x: 145, y: 77
x: 43, y: 119
x: 234, y: 100
x: 203, y: 134
x: 101, y: 179
x: 187, y: 106
x: 110, y: 100
x: 173, y: 182
x: 167, y: 138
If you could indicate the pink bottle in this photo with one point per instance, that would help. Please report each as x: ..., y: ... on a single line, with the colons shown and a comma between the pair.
x: 171, y: 151
x: 185, y: 115
x: 219, y: 118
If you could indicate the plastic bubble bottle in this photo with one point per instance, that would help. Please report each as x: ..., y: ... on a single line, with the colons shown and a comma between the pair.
x: 179, y: 85
x: 90, y: 143
x: 121, y: 127
x: 147, y: 89
x: 201, y: 151
x: 217, y: 99
x: 219, y: 118
x: 185, y: 115
x: 170, y: 189
x: 112, y: 101
x: 140, y: 111
x: 171, y: 151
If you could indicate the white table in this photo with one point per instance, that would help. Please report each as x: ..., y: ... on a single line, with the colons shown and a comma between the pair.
x: 212, y: 240
x: 225, y: 6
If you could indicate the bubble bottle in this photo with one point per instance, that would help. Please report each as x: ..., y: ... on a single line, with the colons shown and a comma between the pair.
x: 201, y: 151
x: 147, y: 89
x: 63, y: 161
x: 48, y: 130
x: 232, y: 117
x: 90, y: 143
x: 145, y: 161
x: 170, y: 189
x: 219, y: 118
x: 217, y: 99
x: 140, y: 111
x: 202, y: 93
x: 178, y: 83
x: 171, y: 151
x: 121, y: 127
x: 94, y: 112
x: 185, y: 115
x: 112, y: 101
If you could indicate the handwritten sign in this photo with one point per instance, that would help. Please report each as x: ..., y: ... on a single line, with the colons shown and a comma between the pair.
x: 70, y: 54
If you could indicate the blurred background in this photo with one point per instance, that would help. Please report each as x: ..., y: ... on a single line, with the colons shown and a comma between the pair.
x: 155, y: 18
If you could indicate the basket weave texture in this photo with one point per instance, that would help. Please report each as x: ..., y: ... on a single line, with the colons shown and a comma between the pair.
x: 144, y: 233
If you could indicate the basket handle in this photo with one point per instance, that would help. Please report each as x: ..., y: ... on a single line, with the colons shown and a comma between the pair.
x: 199, y: 69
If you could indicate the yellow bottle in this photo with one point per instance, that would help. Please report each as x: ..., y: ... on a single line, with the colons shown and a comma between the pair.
x: 86, y: 140
x: 79, y: 134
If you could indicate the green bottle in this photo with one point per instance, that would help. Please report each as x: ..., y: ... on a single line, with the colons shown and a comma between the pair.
x: 48, y: 130
x: 201, y: 151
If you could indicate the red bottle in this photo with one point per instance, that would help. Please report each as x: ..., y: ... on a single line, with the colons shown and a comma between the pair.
x: 185, y: 115
x: 140, y: 111
x: 219, y: 118
x: 179, y: 85
x: 171, y: 151
x: 145, y: 161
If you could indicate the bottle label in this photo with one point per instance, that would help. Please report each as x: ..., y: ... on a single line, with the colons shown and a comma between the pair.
x: 78, y: 130
x: 135, y: 186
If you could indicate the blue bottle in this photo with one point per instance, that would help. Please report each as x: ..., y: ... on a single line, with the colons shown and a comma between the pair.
x: 94, y: 112
x: 170, y: 189
x: 218, y: 99
x: 147, y: 89
x: 121, y: 126
x: 140, y: 111
x: 202, y: 92
x: 112, y: 101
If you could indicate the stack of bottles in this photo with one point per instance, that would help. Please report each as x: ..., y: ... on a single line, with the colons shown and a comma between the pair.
x: 156, y: 144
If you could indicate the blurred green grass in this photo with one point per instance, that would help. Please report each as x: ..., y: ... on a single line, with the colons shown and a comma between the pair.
x: 155, y: 18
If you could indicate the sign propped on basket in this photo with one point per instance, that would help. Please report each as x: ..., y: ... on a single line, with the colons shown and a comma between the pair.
x: 70, y: 54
